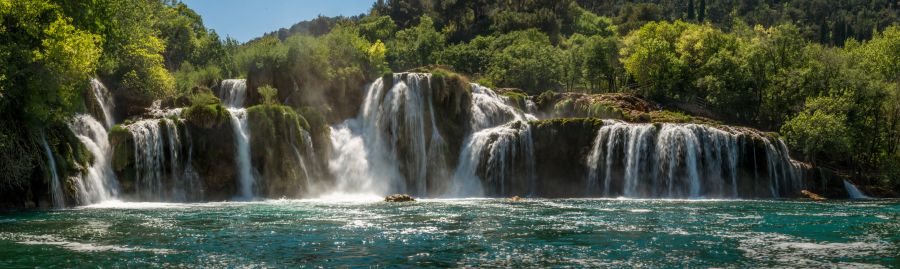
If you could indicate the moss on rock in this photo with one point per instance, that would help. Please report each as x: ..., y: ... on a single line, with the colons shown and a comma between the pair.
x: 516, y: 97
x: 451, y: 95
x: 122, y: 143
x: 276, y: 141
x: 320, y: 132
x: 212, y: 138
x: 207, y: 116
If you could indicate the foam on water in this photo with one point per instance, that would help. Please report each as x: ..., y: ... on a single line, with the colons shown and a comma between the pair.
x: 119, y: 204
x: 353, y: 230
x: 48, y: 240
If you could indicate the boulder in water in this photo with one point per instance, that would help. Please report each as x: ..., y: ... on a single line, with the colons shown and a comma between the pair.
x: 813, y: 196
x: 397, y: 198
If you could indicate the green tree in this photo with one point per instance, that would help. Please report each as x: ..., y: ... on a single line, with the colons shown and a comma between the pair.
x: 821, y: 128
x: 649, y: 56
x: 46, y: 60
x: 471, y: 58
x: 527, y: 60
x: 601, y: 61
x: 416, y: 46
x: 376, y: 28
x: 269, y: 94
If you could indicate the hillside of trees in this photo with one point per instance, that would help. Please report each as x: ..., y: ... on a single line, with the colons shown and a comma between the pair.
x: 825, y: 75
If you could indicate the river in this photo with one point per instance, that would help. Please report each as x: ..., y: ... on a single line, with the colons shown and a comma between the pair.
x: 458, y: 233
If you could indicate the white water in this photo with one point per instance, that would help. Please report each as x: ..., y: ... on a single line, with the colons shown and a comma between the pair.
x: 56, y: 192
x: 353, y: 170
x: 105, y: 101
x: 162, y: 173
x: 490, y: 109
x: 679, y: 160
x: 492, y: 157
x: 241, y: 130
x: 99, y: 182
x: 233, y: 92
x: 854, y: 192
x: 395, y: 145
x: 149, y: 158
x: 389, y: 146
x: 309, y: 150
x: 500, y: 145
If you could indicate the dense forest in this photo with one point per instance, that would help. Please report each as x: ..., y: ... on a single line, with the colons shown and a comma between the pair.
x: 824, y: 75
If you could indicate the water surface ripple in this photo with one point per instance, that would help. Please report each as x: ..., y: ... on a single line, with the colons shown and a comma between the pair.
x: 458, y: 233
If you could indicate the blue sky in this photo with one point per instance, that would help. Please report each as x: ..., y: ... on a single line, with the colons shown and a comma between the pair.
x: 244, y: 19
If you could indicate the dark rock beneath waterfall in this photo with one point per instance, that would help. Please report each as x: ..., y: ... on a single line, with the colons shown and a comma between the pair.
x: 397, y: 198
x: 560, y: 146
x: 212, y: 138
x: 280, y: 150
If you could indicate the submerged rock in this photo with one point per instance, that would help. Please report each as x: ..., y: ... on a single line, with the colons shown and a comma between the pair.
x: 397, y: 198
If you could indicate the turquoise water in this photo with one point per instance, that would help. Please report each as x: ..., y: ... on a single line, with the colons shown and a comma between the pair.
x: 457, y: 233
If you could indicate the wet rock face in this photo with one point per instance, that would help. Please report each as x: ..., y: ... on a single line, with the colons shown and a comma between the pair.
x: 399, y: 198
x: 560, y: 147
x: 281, y: 151
x: 213, y: 153
x: 825, y: 182
x: 452, y: 100
x: 122, y: 143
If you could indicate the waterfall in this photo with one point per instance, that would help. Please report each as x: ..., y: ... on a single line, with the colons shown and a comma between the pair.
x: 309, y: 150
x: 233, y: 92
x: 854, y: 192
x: 499, y: 150
x: 682, y: 160
x: 354, y: 171
x: 241, y: 129
x: 190, y: 187
x: 490, y: 109
x: 497, y: 158
x: 56, y: 191
x: 161, y: 171
x: 105, y: 101
x: 388, y: 147
x: 98, y: 183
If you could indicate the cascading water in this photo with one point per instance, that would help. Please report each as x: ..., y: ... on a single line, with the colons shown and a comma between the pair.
x: 56, y: 191
x: 241, y: 130
x: 161, y: 171
x: 99, y: 182
x: 853, y: 192
x: 105, y: 101
x: 490, y: 109
x: 233, y: 92
x: 496, y: 158
x: 388, y: 147
x: 354, y: 171
x: 493, y: 154
x: 309, y: 150
x: 683, y: 160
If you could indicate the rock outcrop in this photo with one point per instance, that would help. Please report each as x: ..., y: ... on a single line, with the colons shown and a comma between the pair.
x: 399, y: 198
